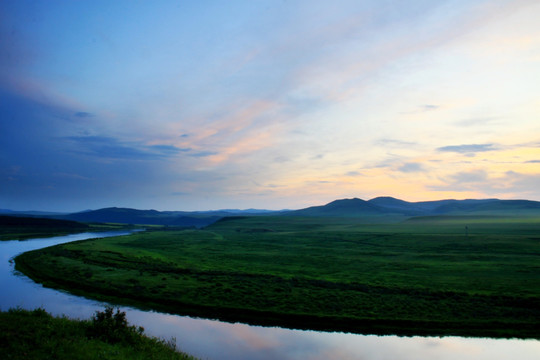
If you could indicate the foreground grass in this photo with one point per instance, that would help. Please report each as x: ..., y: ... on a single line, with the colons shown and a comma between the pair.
x: 422, y: 277
x: 37, y: 335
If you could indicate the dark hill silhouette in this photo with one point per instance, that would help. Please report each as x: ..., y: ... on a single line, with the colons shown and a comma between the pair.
x: 344, y: 207
x: 377, y: 207
x: 391, y: 206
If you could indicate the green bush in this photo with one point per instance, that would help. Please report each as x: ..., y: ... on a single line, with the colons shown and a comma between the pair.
x: 113, y: 327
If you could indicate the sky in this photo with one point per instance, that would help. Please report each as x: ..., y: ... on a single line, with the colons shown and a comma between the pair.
x: 200, y: 105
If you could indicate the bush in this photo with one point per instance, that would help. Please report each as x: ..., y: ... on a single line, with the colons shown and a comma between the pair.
x: 113, y: 327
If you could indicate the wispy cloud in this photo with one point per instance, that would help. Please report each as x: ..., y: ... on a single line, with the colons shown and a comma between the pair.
x: 472, y: 180
x: 422, y: 109
x: 468, y: 149
x: 411, y: 167
x: 203, y: 154
x: 509, y: 184
x: 395, y: 143
x: 481, y: 121
x: 104, y: 147
x: 83, y: 114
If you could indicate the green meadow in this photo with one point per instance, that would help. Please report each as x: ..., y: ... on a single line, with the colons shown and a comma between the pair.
x: 467, y: 276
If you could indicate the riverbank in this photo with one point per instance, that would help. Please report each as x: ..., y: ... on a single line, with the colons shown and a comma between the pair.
x: 406, y: 279
x: 36, y: 334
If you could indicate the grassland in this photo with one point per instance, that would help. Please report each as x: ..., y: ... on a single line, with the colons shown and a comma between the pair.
x: 469, y: 276
x: 38, y: 335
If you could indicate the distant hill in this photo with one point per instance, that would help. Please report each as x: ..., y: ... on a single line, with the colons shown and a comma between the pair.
x: 377, y: 208
x: 392, y: 206
x: 343, y: 208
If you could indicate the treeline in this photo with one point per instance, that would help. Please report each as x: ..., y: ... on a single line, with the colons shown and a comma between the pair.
x: 20, y: 228
x: 41, y: 223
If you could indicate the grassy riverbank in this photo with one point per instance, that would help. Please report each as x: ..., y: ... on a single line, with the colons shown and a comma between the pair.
x: 38, y: 335
x: 473, y: 276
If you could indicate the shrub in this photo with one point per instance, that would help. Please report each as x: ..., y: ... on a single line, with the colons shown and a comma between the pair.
x: 113, y: 327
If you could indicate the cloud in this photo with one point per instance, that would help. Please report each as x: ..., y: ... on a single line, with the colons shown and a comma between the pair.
x: 510, y: 183
x: 474, y: 180
x: 411, y: 167
x: 105, y: 147
x: 523, y: 183
x: 202, y: 154
x: 478, y: 121
x: 422, y: 109
x: 168, y: 149
x: 468, y: 149
x: 42, y: 165
x: 467, y: 177
x: 281, y: 159
x: 179, y: 193
x: 395, y: 143
x: 429, y: 107
x: 83, y: 114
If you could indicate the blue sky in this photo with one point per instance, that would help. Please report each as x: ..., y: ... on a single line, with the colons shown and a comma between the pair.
x: 197, y: 105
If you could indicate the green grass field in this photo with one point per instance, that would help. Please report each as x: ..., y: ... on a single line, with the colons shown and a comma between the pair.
x: 37, y: 335
x: 423, y: 276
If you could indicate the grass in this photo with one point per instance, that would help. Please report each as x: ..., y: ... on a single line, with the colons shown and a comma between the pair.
x: 419, y: 277
x: 36, y: 334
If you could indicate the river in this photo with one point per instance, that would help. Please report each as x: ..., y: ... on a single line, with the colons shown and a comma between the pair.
x: 209, y: 339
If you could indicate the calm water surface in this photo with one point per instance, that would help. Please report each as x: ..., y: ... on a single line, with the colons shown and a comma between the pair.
x: 210, y: 339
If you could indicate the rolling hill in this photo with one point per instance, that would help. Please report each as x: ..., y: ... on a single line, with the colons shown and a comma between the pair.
x: 341, y: 208
x: 376, y: 208
x: 392, y: 206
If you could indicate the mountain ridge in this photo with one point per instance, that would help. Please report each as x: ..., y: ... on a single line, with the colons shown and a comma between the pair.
x: 350, y: 207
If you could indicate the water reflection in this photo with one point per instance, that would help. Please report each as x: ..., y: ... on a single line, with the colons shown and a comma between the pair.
x: 217, y: 340
x: 209, y: 339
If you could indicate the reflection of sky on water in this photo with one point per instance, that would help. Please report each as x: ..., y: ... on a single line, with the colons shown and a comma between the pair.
x: 209, y: 339
x: 216, y: 340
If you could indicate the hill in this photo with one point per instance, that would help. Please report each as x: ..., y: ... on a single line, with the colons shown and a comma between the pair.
x: 382, y: 208
x: 392, y: 206
x: 341, y: 208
